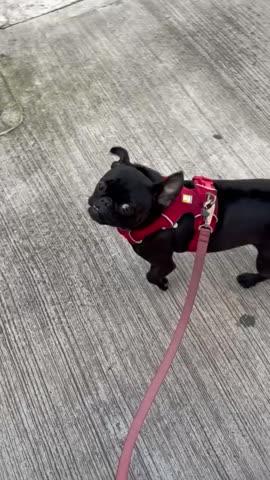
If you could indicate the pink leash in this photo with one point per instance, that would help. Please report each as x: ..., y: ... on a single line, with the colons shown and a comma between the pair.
x: 137, y: 423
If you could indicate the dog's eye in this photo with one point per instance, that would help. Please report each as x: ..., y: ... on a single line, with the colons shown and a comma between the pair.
x: 126, y: 209
x: 101, y: 187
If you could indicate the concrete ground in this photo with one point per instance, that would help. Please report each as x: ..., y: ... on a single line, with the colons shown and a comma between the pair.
x: 181, y: 85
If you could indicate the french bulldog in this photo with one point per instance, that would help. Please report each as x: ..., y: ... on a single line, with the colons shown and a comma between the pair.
x: 131, y: 196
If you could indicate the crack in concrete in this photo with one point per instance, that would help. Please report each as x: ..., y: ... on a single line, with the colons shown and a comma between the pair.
x: 7, y: 25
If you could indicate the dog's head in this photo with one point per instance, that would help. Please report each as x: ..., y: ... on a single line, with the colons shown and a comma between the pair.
x: 129, y: 196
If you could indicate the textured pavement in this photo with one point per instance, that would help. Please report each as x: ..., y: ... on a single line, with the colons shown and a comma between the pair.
x: 181, y: 85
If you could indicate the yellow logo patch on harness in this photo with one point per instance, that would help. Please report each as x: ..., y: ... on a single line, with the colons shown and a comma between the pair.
x: 187, y: 198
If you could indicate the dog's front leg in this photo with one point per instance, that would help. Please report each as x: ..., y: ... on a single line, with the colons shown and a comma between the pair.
x: 158, y: 252
x: 158, y: 273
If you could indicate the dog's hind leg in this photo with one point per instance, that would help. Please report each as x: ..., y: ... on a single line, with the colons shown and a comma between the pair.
x: 248, y: 280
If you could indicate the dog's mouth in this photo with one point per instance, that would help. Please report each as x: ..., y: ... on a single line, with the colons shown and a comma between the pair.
x: 95, y: 214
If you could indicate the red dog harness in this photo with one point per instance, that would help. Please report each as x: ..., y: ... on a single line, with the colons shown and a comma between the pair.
x: 199, y: 201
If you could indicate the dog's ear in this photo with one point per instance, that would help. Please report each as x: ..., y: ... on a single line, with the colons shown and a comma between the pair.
x: 168, y: 190
x: 122, y: 154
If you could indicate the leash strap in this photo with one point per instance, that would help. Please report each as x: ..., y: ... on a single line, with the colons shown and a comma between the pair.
x: 150, y: 395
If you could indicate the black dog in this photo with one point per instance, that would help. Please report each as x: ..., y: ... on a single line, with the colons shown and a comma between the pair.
x: 131, y: 196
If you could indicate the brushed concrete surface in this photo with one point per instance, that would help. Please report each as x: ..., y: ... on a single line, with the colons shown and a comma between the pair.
x: 181, y: 85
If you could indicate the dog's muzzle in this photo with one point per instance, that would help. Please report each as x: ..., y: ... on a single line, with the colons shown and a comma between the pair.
x: 100, y: 209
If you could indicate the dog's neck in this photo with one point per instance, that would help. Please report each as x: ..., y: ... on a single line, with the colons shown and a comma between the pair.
x: 157, y: 209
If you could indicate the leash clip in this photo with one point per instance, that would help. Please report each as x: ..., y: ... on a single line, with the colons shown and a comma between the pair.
x: 208, y: 211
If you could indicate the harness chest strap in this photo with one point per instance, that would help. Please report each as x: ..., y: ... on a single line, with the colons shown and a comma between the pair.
x: 200, y: 201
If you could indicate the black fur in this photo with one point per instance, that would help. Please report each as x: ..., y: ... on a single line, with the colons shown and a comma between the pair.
x: 131, y: 196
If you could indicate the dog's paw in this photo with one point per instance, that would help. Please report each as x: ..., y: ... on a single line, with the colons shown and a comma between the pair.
x: 248, y: 280
x: 161, y: 283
